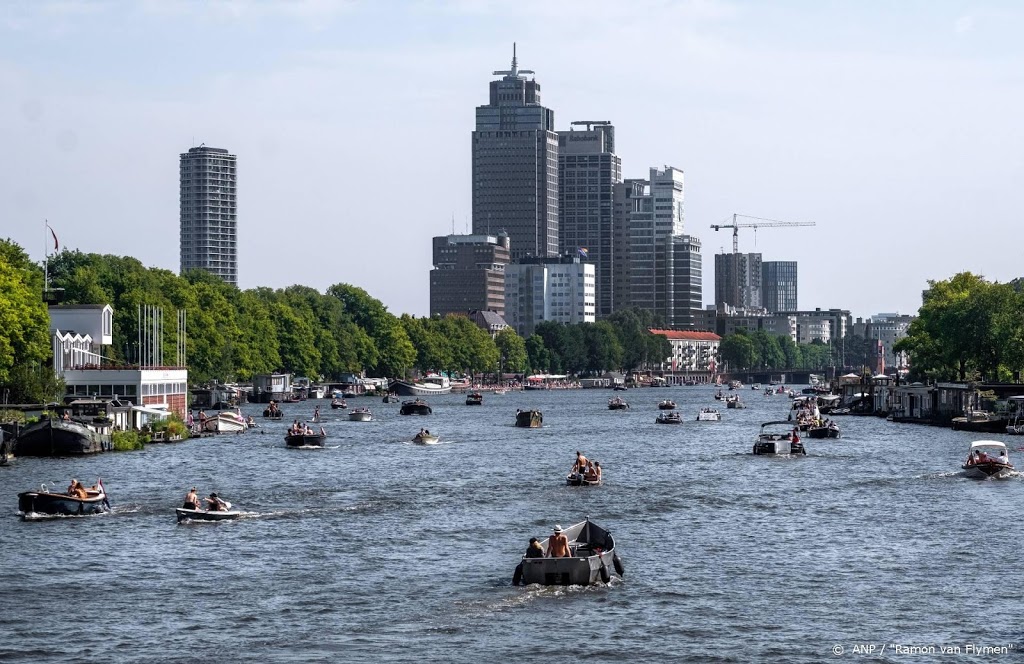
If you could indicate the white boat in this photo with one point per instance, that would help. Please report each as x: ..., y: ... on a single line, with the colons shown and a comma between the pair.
x: 756, y: 386
x: 185, y: 514
x: 667, y: 404
x: 431, y: 384
x: 987, y: 458
x: 424, y: 437
x: 709, y: 415
x: 227, y: 421
x: 777, y: 438
x: 1015, y: 410
x: 734, y: 402
x: 360, y: 415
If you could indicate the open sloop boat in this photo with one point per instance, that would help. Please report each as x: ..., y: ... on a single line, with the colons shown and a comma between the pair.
x: 425, y: 438
x: 987, y: 458
x: 46, y: 503
x: 415, y: 407
x: 593, y: 560
x: 529, y: 419
x: 227, y: 514
x: 671, y: 417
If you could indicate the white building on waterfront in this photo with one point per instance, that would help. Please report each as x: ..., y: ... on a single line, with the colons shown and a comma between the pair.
x: 549, y: 289
x: 692, y: 352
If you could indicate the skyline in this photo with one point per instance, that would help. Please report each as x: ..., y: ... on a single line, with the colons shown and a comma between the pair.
x: 890, y: 128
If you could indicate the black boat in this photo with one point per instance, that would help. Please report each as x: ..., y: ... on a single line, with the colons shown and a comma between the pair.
x: 824, y: 431
x: 45, y: 502
x: 592, y: 561
x: 415, y: 407
x: 474, y: 399
x: 61, y: 437
x: 228, y: 514
x: 305, y: 440
x: 529, y: 419
x: 338, y: 403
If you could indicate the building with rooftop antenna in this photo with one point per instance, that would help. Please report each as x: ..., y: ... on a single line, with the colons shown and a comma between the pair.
x: 515, y: 165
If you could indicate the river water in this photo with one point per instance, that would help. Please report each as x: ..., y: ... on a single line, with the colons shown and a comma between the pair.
x: 378, y: 548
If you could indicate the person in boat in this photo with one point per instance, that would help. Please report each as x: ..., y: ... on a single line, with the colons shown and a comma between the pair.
x: 76, y: 490
x: 795, y: 438
x: 215, y: 504
x: 534, y: 550
x: 202, y: 417
x: 581, y: 463
x: 558, y: 544
x: 191, y: 500
x: 592, y: 473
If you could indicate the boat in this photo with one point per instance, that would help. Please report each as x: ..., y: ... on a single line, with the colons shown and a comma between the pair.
x: 529, y: 419
x: 709, y: 415
x: 272, y: 412
x: 32, y: 504
x: 719, y: 396
x: 424, y: 437
x: 734, y: 402
x: 415, y: 407
x: 52, y: 436
x: 431, y: 384
x: 824, y: 430
x: 501, y: 390
x: 1015, y: 409
x: 827, y: 403
x: 186, y: 514
x: 305, y: 439
x: 390, y: 398
x: 617, y: 404
x: 735, y: 384
x: 227, y: 421
x: 620, y: 387
x: 338, y: 403
x: 756, y: 386
x: 671, y: 417
x: 987, y: 458
x: 360, y: 415
x: 980, y: 421
x: 667, y: 404
x: 318, y: 392
x: 777, y: 438
x: 580, y: 479
x: 593, y: 560
x: 474, y: 399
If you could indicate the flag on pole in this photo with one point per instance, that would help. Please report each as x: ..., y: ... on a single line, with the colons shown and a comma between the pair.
x: 583, y: 252
x: 56, y: 244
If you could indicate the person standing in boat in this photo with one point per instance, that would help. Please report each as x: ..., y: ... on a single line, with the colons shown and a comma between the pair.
x: 581, y: 463
x: 558, y: 544
x: 191, y: 500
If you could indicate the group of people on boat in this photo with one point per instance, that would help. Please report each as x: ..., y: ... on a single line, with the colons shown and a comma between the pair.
x: 303, y: 429
x: 589, y: 469
x: 980, y: 457
x: 273, y: 410
x: 214, y: 503
x: 76, y: 490
x: 558, y: 546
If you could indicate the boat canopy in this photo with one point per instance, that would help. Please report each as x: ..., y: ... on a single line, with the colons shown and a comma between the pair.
x: 988, y: 443
x: 149, y: 410
x: 1018, y: 398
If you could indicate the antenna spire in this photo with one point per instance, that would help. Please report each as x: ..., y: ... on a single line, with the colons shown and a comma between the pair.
x: 515, y: 62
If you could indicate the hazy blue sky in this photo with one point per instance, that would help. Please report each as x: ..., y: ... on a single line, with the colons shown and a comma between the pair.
x: 895, y: 126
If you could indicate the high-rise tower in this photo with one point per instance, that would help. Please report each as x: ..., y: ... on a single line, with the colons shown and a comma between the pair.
x: 209, y: 212
x: 588, y: 170
x: 515, y: 166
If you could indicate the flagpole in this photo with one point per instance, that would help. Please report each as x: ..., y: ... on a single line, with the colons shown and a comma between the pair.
x: 46, y: 260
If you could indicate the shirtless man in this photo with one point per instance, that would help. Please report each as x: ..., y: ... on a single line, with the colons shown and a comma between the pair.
x: 581, y: 463
x: 558, y: 544
x: 215, y: 504
x: 191, y: 500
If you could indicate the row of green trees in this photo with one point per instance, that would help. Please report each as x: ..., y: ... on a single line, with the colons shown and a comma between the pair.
x: 967, y: 329
x: 233, y: 334
x: 759, y: 350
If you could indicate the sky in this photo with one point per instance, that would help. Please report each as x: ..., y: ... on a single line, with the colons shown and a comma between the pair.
x: 894, y: 127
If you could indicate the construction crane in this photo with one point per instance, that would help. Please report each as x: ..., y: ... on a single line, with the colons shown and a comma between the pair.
x: 759, y: 223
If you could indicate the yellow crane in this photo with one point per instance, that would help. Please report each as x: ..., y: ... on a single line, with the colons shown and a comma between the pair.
x: 758, y: 223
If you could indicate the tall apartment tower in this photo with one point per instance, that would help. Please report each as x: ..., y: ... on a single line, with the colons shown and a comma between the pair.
x: 588, y: 170
x: 468, y: 274
x: 738, y: 281
x: 653, y: 258
x: 515, y: 166
x: 209, y: 212
x: 778, y: 286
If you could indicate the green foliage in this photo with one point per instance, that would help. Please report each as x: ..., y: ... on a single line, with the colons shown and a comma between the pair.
x: 24, y: 322
x: 127, y: 441
x: 10, y: 415
x: 172, y: 425
x: 512, y: 350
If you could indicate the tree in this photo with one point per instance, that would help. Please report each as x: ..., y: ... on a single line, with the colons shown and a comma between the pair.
x: 738, y: 351
x: 512, y: 350
x: 539, y: 357
x: 24, y: 321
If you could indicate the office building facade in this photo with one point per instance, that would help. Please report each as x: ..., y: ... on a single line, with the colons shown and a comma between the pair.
x: 588, y: 170
x: 549, y: 289
x: 738, y: 281
x: 515, y: 166
x: 209, y: 212
x: 778, y: 286
x: 468, y: 274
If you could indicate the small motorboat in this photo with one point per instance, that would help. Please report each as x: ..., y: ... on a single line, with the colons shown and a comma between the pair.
x: 617, y: 404
x: 272, y: 412
x: 593, y: 560
x: 987, y: 458
x: 360, y: 415
x: 620, y: 387
x: 756, y: 386
x: 305, y: 439
x: 186, y: 514
x: 734, y: 402
x: 415, y: 407
x: 580, y: 479
x: 227, y: 421
x: 671, y: 417
x: 667, y: 404
x: 474, y: 399
x: 339, y: 404
x: 424, y: 437
x: 827, y: 429
x: 719, y: 396
x: 778, y: 438
x: 709, y: 415
x: 44, y: 502
x: 390, y: 398
x: 529, y: 419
